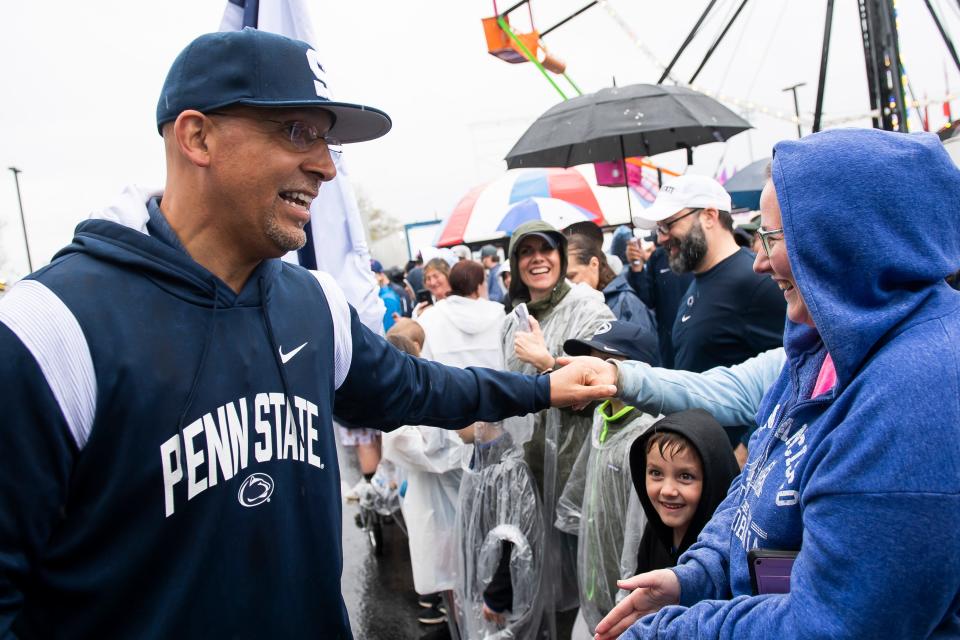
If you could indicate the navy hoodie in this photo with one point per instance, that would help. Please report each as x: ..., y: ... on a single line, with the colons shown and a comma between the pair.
x: 168, y: 459
x: 864, y: 480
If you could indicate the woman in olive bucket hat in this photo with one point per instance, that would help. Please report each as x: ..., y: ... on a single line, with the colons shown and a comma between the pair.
x: 553, y: 438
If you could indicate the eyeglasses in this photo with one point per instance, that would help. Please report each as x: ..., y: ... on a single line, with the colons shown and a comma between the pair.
x: 301, y: 135
x: 663, y: 228
x: 765, y: 238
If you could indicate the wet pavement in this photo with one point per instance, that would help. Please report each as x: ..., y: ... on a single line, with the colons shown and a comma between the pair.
x: 378, y: 591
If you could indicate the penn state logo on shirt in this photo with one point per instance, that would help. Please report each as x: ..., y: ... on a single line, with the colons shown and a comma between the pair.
x: 255, y: 490
x: 604, y: 328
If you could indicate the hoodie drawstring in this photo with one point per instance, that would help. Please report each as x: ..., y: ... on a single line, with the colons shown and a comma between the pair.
x: 196, y: 376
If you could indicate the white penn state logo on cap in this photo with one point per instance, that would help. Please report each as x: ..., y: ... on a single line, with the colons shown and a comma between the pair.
x: 320, y: 75
x: 604, y: 328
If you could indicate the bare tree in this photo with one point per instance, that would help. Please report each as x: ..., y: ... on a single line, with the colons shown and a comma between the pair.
x: 377, y: 223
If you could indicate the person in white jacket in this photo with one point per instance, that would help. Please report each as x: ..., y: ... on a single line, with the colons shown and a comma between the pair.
x: 461, y: 330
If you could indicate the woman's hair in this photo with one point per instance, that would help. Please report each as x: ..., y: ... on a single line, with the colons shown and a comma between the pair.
x: 438, y: 264
x: 465, y: 278
x: 585, y: 248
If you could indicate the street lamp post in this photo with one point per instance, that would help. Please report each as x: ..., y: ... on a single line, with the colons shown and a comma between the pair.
x: 796, y: 105
x: 23, y: 222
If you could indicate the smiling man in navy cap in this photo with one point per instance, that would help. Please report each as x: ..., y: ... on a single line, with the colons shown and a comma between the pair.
x: 169, y: 467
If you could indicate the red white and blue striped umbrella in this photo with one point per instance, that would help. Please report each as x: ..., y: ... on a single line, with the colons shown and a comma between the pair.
x: 559, y: 213
x: 487, y: 212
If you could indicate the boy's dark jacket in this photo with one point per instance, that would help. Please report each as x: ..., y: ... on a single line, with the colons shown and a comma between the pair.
x: 719, y: 469
x: 106, y: 530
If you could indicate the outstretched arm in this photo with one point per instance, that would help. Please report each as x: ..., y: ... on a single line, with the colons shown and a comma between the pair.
x: 385, y: 388
x: 844, y: 585
x: 731, y: 394
x: 649, y: 592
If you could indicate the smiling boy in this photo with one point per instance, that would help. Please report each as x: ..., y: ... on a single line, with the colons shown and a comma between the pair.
x: 681, y: 470
x: 674, y: 481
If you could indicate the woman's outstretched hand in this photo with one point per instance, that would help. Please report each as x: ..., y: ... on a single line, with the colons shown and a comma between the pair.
x: 651, y: 592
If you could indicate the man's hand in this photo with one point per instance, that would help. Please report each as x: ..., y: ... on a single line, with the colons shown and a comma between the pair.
x: 605, y: 372
x: 580, y: 381
x: 636, y: 256
x: 531, y: 348
x: 652, y: 591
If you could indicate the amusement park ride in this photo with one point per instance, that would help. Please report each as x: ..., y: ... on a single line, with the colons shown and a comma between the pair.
x: 617, y: 129
x: 878, y: 25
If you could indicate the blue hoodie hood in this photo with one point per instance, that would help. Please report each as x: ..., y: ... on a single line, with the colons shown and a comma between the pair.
x: 842, y: 196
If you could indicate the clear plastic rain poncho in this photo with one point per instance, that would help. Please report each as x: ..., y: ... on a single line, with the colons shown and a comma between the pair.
x: 431, y: 459
x: 554, y: 437
x: 499, y: 504
x: 611, y: 518
x: 382, y: 493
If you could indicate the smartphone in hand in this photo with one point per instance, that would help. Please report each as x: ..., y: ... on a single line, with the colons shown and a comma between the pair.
x: 424, y: 296
x: 523, y: 316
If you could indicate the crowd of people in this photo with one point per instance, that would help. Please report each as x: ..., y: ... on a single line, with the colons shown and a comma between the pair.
x: 736, y: 432
x: 579, y: 520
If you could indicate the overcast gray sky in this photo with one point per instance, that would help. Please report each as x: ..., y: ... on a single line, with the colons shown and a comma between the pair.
x: 80, y: 82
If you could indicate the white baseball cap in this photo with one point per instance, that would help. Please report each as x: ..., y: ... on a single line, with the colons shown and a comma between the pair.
x: 683, y: 192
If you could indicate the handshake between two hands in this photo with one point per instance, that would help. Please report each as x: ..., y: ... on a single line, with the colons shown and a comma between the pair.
x: 575, y: 382
x: 582, y: 380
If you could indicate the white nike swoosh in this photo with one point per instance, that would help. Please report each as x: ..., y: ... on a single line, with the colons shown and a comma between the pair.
x: 285, y: 357
x: 664, y: 270
x: 685, y: 318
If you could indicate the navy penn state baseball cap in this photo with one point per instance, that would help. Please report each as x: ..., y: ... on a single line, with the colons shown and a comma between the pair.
x: 618, y: 338
x: 259, y: 69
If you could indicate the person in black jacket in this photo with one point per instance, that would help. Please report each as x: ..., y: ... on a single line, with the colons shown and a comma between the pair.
x: 729, y: 313
x: 682, y: 468
x: 660, y: 289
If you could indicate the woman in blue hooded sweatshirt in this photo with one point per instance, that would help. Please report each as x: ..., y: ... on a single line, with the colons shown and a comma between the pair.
x: 856, y: 464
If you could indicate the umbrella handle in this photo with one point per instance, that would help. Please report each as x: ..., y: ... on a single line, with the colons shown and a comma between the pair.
x: 626, y: 181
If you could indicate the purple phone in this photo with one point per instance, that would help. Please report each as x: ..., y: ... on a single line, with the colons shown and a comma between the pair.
x: 770, y: 570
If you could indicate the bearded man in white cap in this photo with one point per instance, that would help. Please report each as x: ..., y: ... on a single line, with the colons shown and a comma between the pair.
x: 729, y: 313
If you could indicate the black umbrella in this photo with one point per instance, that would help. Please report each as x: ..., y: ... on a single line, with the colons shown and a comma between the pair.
x: 619, y: 122
x: 745, y: 185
